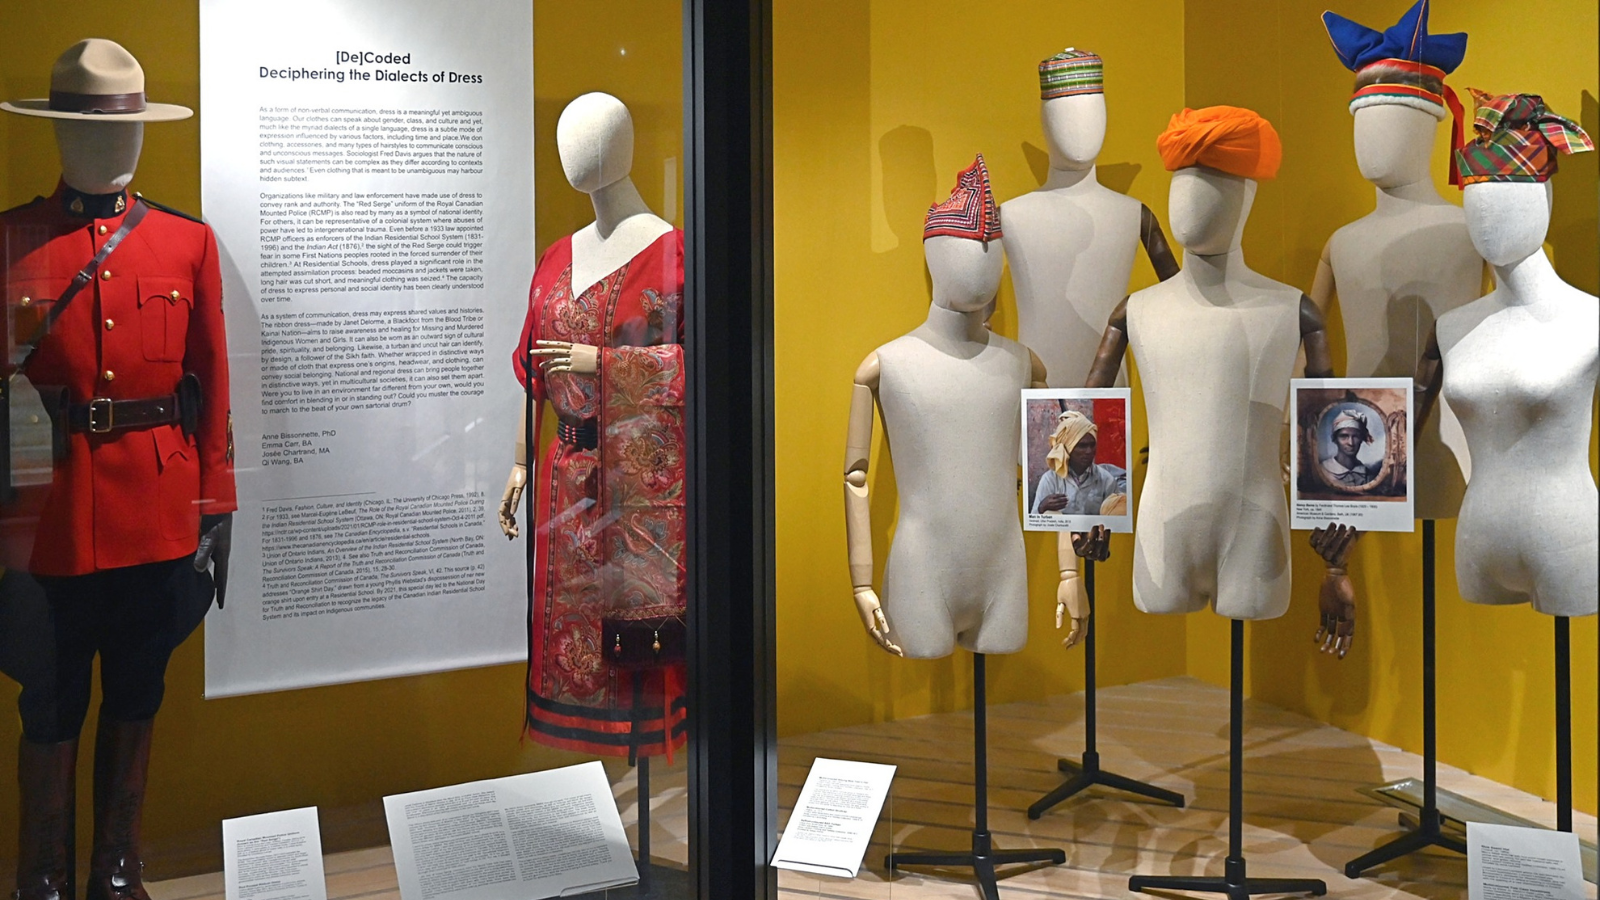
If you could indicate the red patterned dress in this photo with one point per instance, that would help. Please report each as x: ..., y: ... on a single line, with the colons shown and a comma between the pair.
x: 608, y: 536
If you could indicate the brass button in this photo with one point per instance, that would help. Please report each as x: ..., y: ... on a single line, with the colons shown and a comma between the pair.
x: 27, y: 301
x: 102, y: 229
x: 175, y: 295
x: 110, y: 324
x: 106, y: 275
x: 109, y: 375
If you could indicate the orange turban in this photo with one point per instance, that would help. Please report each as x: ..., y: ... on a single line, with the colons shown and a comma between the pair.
x: 1225, y: 138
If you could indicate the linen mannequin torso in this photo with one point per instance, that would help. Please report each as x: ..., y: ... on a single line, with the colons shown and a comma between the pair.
x: 949, y: 397
x: 1216, y: 346
x: 1070, y: 244
x: 1520, y: 365
x: 1395, y: 271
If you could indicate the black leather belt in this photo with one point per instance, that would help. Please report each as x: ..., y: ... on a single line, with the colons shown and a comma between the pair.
x: 103, y: 415
x: 582, y: 433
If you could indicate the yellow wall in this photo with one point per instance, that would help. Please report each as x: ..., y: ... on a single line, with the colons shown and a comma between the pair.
x: 338, y: 747
x: 877, y: 106
x: 1495, y: 670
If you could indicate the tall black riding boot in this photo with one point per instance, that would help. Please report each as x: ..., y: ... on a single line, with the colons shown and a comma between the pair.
x: 47, y: 793
x: 121, y: 764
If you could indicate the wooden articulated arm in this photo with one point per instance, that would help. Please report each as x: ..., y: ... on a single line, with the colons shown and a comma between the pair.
x: 1155, y: 244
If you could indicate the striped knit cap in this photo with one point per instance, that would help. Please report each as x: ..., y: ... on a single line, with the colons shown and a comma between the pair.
x: 1071, y: 73
x: 1517, y: 138
x: 970, y: 212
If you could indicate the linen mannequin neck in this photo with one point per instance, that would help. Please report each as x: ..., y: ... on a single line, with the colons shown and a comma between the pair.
x: 594, y: 138
x: 1209, y: 210
x: 98, y: 157
x: 966, y: 275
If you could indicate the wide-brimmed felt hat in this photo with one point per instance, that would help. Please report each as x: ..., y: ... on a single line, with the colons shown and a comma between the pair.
x: 97, y: 80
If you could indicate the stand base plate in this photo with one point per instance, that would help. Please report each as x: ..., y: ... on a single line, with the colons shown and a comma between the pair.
x: 1241, y: 890
x: 982, y: 861
x: 1086, y: 774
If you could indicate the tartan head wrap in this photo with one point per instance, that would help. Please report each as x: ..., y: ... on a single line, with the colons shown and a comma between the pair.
x: 1227, y: 138
x: 970, y: 212
x: 1516, y: 138
x: 1071, y: 73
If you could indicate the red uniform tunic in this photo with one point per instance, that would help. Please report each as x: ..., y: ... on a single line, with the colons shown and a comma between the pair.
x: 608, y: 533
x: 153, y: 313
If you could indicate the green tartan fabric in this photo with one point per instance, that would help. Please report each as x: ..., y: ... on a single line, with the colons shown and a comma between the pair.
x: 1071, y: 73
x: 1517, y: 138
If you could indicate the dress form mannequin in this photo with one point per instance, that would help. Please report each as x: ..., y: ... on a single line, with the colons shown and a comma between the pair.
x: 594, y: 138
x: 1216, y: 346
x: 1395, y: 271
x: 98, y: 158
x: 948, y: 393
x: 1520, y: 366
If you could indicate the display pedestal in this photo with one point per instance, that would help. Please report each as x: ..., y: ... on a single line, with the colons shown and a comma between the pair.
x: 1430, y: 824
x: 1087, y: 773
x: 983, y: 858
x: 1234, y: 883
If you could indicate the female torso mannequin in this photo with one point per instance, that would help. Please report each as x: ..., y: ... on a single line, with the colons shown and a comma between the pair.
x: 949, y: 394
x: 602, y: 348
x: 1395, y: 271
x: 1071, y: 243
x: 1216, y: 347
x: 1520, y: 366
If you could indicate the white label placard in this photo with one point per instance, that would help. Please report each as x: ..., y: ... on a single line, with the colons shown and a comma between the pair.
x: 367, y: 166
x: 544, y: 834
x: 1506, y: 862
x: 833, y: 820
x: 1350, y: 453
x: 1061, y: 492
x: 274, y: 856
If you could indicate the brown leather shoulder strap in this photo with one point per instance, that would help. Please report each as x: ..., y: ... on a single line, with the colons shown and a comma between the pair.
x: 136, y: 214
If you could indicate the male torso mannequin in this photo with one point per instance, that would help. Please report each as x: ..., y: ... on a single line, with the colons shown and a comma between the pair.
x: 136, y: 360
x: 1071, y: 243
x: 1521, y: 365
x: 1216, y: 346
x: 604, y: 340
x: 949, y: 394
x: 1395, y: 271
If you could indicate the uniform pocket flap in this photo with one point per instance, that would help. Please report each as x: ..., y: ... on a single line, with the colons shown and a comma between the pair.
x: 172, y: 290
x: 170, y: 443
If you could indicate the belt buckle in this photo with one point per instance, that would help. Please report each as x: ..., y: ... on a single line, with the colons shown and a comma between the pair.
x: 101, y: 420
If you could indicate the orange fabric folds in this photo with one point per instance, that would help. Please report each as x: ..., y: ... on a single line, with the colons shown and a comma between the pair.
x: 1226, y: 138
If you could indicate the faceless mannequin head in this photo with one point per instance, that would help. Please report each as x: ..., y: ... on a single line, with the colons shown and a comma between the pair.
x: 1393, y: 143
x: 966, y: 273
x: 594, y: 138
x: 98, y: 157
x: 1507, y: 220
x: 1074, y: 129
x: 1209, y: 209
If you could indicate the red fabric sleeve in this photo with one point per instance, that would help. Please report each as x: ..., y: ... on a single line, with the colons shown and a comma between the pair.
x: 206, y: 355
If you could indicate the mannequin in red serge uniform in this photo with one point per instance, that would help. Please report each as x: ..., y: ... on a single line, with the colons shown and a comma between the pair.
x: 134, y: 373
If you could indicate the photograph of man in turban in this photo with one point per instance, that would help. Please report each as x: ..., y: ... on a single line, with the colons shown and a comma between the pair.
x: 1075, y: 484
x: 1350, y: 434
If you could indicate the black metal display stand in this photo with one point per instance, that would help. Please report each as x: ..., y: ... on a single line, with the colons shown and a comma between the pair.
x: 1430, y: 824
x: 1086, y: 773
x: 1563, y: 723
x: 1234, y: 883
x: 984, y: 858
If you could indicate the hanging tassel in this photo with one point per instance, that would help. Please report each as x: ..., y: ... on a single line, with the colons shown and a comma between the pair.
x: 1457, y: 131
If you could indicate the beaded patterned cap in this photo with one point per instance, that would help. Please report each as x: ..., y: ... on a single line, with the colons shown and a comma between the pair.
x: 1517, y: 138
x: 1071, y: 73
x: 970, y: 212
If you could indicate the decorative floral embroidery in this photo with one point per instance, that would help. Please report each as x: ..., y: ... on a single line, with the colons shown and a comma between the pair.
x: 578, y: 656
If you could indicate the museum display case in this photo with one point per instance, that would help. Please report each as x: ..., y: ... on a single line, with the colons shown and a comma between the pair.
x: 422, y: 464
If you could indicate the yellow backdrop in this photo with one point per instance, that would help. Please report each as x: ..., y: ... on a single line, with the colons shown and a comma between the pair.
x: 878, y: 106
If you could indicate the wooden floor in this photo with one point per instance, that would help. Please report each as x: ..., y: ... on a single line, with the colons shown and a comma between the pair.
x: 1303, y: 815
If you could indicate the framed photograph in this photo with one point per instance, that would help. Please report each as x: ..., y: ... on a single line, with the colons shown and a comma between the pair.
x: 1076, y: 460
x: 1351, y: 463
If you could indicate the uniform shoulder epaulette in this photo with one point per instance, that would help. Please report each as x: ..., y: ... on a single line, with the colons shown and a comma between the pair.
x: 167, y: 209
x: 34, y: 202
